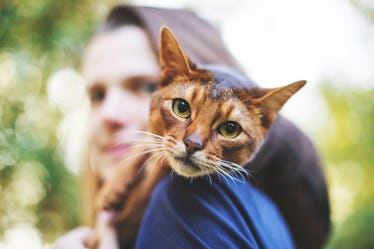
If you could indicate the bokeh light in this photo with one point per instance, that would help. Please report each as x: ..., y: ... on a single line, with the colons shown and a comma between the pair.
x: 66, y: 89
x: 43, y: 109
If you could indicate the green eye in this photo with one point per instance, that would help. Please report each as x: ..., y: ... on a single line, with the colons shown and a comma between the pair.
x: 181, y: 108
x: 229, y: 129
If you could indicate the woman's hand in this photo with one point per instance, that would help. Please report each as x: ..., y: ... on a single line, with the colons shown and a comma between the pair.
x: 76, y: 238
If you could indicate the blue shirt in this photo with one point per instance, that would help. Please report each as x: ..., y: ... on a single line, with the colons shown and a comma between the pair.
x: 211, y: 213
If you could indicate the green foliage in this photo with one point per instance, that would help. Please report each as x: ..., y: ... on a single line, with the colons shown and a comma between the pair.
x: 347, y: 146
x: 36, y: 39
x: 357, y: 230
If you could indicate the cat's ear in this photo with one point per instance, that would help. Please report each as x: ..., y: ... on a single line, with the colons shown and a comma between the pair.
x: 172, y: 58
x: 272, y: 100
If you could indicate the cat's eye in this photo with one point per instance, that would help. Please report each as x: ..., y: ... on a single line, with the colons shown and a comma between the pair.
x: 229, y: 129
x: 181, y: 108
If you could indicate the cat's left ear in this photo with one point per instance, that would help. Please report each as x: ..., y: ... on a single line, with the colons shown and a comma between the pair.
x: 272, y: 100
x: 172, y: 58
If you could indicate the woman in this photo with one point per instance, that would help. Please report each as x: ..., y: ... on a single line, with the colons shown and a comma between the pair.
x: 121, y: 68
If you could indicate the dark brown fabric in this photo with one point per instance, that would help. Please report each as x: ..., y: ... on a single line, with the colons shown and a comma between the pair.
x: 287, y: 168
x: 188, y: 28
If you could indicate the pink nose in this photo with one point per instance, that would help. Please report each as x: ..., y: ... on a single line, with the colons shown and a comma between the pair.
x: 193, y: 143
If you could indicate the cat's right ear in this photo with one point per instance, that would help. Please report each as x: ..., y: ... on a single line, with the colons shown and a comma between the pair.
x: 172, y: 58
x: 270, y: 101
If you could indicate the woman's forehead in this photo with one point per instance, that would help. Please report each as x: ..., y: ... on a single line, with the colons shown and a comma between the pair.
x: 123, y: 52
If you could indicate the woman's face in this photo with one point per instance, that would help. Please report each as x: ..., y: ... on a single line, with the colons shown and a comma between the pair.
x: 122, y: 71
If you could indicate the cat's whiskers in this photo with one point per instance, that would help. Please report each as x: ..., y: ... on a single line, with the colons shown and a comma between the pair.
x: 172, y: 172
x: 143, y: 153
x: 153, y: 143
x: 151, y: 134
x: 164, y: 158
x: 146, y: 146
x: 222, y: 171
x: 138, y: 140
x: 213, y: 166
x: 170, y: 146
x: 208, y: 173
x: 252, y: 170
x: 142, y: 140
x: 150, y: 142
x: 234, y: 166
x: 121, y: 134
x: 143, y: 143
x: 170, y: 143
x: 158, y: 160
x: 229, y: 169
x: 153, y: 156
x: 146, y: 137
x: 237, y: 169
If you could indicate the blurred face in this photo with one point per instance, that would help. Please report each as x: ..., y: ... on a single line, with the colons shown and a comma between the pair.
x: 122, y: 71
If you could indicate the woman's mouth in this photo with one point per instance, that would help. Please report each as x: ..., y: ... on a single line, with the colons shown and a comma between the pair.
x: 118, y: 149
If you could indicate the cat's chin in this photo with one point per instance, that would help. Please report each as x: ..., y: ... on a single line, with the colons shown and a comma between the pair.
x: 185, y: 167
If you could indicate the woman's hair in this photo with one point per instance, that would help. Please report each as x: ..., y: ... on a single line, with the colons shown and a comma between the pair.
x: 120, y: 16
x: 200, y: 40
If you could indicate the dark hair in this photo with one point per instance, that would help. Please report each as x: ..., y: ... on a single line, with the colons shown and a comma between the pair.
x: 199, y: 39
x: 119, y: 16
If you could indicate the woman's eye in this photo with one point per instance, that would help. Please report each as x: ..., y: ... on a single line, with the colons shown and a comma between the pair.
x: 181, y: 108
x: 97, y: 95
x: 148, y: 87
x: 229, y: 129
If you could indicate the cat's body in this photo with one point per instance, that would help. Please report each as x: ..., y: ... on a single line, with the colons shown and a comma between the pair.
x: 202, y: 122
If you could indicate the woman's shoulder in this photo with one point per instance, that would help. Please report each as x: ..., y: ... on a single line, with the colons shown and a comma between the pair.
x: 215, y: 212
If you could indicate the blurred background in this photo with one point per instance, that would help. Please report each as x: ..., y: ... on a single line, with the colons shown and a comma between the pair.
x: 330, y: 43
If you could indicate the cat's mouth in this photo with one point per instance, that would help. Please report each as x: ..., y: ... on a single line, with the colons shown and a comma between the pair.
x: 186, y: 167
x: 187, y: 162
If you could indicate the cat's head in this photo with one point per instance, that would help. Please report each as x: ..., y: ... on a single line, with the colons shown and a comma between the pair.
x: 209, y: 125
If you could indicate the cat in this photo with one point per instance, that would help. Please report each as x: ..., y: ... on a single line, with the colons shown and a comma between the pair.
x: 202, y: 122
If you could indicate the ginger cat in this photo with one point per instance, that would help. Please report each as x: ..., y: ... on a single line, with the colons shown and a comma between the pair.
x: 202, y: 122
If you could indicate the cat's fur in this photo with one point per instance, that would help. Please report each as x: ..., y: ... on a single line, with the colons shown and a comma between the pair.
x: 195, y: 144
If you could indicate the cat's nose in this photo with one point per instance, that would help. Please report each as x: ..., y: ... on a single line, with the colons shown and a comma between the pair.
x: 193, y: 143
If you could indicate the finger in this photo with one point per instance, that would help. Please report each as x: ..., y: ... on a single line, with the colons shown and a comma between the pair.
x: 106, y: 231
x: 73, y: 239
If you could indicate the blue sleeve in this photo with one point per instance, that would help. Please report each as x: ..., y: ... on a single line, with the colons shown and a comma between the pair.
x: 211, y: 213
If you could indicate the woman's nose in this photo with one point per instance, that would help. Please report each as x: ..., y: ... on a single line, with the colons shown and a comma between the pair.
x: 113, y: 114
x: 113, y: 125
